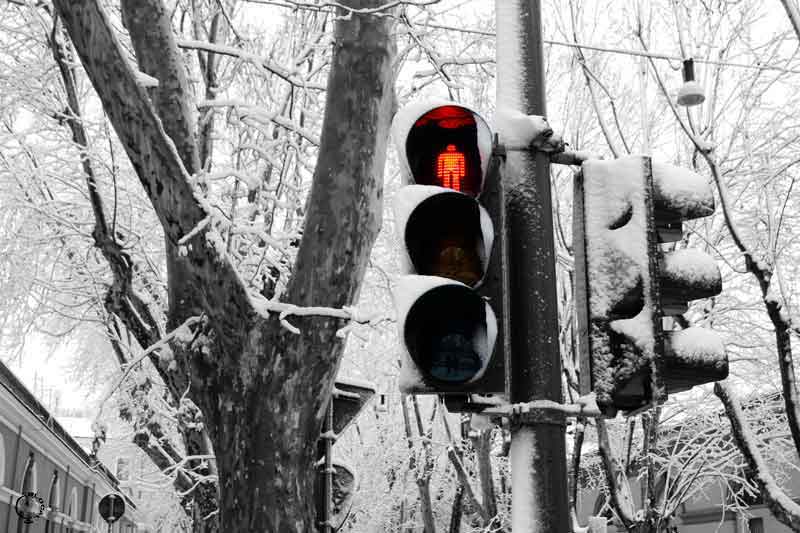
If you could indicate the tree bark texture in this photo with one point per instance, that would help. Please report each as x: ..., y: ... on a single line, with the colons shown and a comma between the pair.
x: 262, y: 389
x: 483, y: 448
x: 130, y: 308
x: 794, y: 15
x: 157, y: 54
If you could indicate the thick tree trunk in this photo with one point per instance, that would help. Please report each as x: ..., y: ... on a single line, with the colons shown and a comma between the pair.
x: 483, y: 448
x: 262, y: 389
x: 270, y: 409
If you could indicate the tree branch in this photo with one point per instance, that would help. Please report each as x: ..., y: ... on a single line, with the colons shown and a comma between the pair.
x: 616, y: 479
x: 781, y: 505
x: 793, y: 14
x: 158, y: 163
x: 244, y: 55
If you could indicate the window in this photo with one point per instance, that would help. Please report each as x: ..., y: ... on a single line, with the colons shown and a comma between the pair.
x: 756, y: 525
x: 54, y: 495
x: 123, y: 469
x: 53, y: 500
x: 29, y: 475
x: 28, y: 485
x: 73, y: 503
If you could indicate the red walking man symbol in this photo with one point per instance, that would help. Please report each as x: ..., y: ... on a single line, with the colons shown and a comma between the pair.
x: 451, y: 168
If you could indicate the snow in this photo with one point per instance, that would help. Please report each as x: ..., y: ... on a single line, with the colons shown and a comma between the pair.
x: 215, y: 242
x: 408, y: 289
x: 638, y: 328
x: 523, y: 480
x: 145, y: 80
x: 691, y: 266
x: 681, y: 190
x: 516, y: 129
x: 614, y: 189
x: 356, y: 383
x: 406, y: 201
x: 252, y: 182
x: 618, y: 262
x: 406, y: 117
x: 695, y: 346
x: 200, y: 226
x: 509, y: 64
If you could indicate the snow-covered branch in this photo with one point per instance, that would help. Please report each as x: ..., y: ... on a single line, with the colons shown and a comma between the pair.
x: 266, y: 64
x: 246, y: 110
x: 618, y: 488
x: 382, y: 10
x: 183, y: 331
x: 351, y: 314
x: 781, y: 505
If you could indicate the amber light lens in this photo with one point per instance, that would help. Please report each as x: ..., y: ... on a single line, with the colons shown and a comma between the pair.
x: 458, y: 262
x: 443, y: 236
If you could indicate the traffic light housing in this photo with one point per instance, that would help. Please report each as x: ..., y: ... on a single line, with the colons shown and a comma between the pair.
x: 449, y: 217
x: 349, y: 398
x: 624, y: 210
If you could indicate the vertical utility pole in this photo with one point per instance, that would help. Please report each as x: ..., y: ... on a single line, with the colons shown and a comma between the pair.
x: 327, y: 489
x: 538, y: 454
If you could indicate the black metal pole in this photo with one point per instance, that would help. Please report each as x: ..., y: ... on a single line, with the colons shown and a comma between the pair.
x: 538, y: 451
x: 329, y: 470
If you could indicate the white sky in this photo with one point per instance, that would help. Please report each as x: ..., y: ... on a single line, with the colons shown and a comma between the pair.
x: 48, y: 376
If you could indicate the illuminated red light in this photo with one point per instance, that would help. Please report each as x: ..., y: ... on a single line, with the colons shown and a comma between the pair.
x: 448, y: 117
x: 451, y: 168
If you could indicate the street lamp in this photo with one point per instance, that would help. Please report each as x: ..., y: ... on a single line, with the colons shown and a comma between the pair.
x: 691, y: 93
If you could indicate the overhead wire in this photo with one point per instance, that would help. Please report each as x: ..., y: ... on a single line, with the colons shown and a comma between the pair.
x: 629, y: 52
x: 596, y: 48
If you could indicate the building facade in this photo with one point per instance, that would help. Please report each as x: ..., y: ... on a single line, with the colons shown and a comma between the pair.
x: 37, y: 455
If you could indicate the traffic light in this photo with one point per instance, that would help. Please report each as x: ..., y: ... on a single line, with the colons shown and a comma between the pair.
x: 626, y: 285
x: 349, y: 398
x: 450, y: 305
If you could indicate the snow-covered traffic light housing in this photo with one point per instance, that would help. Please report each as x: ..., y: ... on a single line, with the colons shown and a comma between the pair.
x: 625, y: 284
x: 450, y: 334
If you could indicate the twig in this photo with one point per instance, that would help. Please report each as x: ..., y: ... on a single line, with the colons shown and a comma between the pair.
x: 617, y: 481
x: 468, y: 492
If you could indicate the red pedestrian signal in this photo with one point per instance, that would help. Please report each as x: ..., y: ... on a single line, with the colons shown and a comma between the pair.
x: 447, y: 146
x: 451, y: 168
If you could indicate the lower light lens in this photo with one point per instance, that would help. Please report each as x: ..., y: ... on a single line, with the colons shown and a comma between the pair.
x: 454, y: 359
x: 444, y: 331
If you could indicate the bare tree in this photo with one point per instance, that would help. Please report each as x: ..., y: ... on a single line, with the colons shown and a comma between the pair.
x: 260, y: 382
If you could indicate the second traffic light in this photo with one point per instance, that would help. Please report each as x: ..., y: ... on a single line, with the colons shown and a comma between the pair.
x: 626, y: 285
x: 449, y: 217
